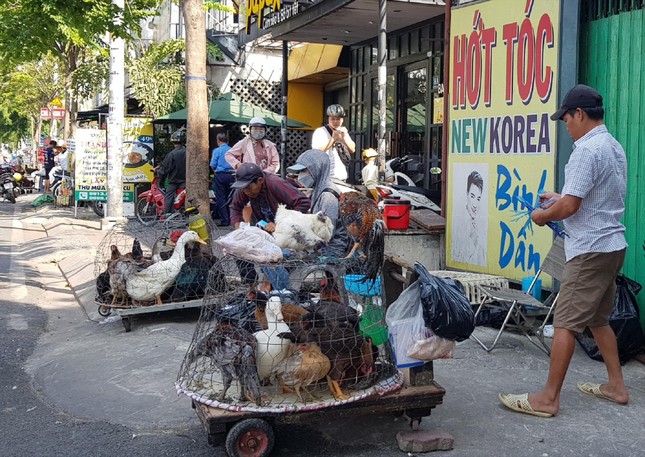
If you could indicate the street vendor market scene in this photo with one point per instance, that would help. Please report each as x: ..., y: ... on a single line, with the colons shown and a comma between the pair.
x: 322, y: 227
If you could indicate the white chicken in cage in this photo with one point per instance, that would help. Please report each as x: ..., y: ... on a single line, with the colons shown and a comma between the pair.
x: 298, y: 231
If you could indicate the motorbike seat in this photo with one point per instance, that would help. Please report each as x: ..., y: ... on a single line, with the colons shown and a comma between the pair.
x: 414, y: 189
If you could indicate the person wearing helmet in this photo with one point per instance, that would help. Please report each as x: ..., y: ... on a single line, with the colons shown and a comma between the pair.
x: 334, y: 139
x: 370, y: 172
x: 173, y: 167
x: 255, y: 149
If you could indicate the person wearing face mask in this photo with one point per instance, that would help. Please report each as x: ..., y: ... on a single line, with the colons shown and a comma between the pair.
x: 264, y: 192
x: 255, y: 149
x: 313, y: 170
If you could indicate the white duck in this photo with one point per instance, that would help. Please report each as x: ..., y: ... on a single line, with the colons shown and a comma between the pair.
x: 149, y: 284
x: 271, y: 349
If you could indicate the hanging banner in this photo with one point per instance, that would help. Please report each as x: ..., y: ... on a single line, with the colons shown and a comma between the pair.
x: 138, y: 149
x: 503, y: 74
x: 90, y: 179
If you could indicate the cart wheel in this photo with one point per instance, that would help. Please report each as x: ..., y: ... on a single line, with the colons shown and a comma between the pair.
x: 104, y: 310
x: 250, y: 438
x: 126, y: 323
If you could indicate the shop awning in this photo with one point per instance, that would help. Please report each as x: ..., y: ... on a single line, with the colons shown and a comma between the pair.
x: 317, y: 63
x: 229, y: 108
x: 348, y: 22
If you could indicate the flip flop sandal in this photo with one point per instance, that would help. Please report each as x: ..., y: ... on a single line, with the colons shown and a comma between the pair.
x: 520, y: 404
x: 593, y: 389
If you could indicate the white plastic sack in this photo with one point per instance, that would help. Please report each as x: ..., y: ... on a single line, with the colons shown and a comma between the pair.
x: 432, y: 347
x: 413, y: 343
x: 250, y: 243
x: 405, y: 324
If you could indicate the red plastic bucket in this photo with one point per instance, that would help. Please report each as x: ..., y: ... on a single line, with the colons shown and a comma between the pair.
x: 396, y: 214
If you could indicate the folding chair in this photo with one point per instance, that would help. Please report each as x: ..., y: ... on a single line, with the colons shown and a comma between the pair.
x: 525, y: 313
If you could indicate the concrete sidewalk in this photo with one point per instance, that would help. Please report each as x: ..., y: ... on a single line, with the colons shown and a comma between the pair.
x: 91, y: 368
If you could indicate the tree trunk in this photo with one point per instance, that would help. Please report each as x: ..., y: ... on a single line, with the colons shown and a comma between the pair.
x: 71, y: 100
x: 197, y: 154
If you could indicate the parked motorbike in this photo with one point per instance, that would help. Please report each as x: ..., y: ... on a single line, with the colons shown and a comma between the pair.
x: 150, y: 204
x: 10, y: 189
x: 24, y: 179
x: 399, y: 185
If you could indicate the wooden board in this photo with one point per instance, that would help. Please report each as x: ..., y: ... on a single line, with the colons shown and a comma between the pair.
x: 408, y: 398
x: 428, y: 220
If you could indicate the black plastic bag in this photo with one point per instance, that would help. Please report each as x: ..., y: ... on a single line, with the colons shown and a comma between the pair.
x: 239, y: 312
x: 446, y: 309
x: 624, y: 320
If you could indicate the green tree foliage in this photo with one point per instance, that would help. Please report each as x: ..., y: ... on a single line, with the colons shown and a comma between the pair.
x: 25, y: 90
x: 31, y: 28
x: 157, y: 77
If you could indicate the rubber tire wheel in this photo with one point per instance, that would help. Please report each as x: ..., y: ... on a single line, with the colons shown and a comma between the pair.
x: 98, y: 208
x: 11, y: 197
x: 126, y: 324
x: 250, y: 438
x: 104, y: 310
x: 145, y: 217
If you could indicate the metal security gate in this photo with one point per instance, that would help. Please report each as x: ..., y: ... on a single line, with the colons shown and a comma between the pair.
x: 612, y: 59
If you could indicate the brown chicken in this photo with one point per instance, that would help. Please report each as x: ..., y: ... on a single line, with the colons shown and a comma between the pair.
x: 305, y: 366
x: 291, y: 312
x: 120, y: 266
x: 362, y: 220
x: 346, y: 349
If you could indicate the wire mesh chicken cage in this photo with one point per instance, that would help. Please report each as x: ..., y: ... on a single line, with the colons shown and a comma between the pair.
x: 286, y: 336
x: 145, y: 264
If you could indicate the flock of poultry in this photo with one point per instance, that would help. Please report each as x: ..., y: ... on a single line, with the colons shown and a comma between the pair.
x: 359, y: 215
x: 146, y: 279
x: 297, y: 347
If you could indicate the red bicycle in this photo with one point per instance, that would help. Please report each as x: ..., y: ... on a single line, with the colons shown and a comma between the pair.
x: 150, y: 204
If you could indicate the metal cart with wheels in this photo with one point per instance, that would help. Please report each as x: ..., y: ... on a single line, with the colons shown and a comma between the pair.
x: 252, y: 434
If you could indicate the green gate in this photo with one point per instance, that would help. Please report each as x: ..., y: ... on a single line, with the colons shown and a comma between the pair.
x: 612, y: 59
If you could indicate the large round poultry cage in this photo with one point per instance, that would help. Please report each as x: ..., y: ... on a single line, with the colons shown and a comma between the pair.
x: 293, y: 335
x: 140, y: 265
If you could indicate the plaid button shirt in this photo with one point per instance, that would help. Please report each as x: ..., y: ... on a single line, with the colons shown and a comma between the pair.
x: 596, y: 173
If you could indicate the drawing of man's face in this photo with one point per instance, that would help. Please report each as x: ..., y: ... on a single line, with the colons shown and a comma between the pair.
x: 473, y: 198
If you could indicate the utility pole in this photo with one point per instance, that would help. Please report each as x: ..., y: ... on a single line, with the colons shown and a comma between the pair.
x: 283, y: 108
x: 114, y: 208
x: 197, y: 154
x: 382, y: 82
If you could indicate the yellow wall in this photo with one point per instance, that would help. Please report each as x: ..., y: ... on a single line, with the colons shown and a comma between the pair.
x: 305, y: 103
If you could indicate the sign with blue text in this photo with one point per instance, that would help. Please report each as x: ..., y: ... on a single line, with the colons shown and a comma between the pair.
x: 503, y: 74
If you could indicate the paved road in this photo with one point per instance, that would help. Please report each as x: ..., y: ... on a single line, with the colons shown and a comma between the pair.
x: 31, y: 424
x: 72, y: 384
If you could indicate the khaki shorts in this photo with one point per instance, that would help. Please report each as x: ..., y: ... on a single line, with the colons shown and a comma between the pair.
x: 588, y: 290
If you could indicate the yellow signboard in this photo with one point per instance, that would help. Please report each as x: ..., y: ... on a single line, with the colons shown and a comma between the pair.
x: 56, y: 103
x: 503, y: 74
x: 257, y: 8
x: 138, y: 150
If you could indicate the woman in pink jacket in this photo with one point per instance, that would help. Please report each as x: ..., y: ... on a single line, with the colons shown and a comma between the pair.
x: 255, y: 149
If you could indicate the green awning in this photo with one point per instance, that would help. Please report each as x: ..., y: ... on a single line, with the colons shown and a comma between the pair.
x: 229, y: 108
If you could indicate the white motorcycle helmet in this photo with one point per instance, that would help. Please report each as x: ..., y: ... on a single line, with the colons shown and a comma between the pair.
x: 258, y: 122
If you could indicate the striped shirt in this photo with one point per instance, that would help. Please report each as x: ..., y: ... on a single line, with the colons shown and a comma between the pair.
x: 596, y: 173
x: 275, y: 191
